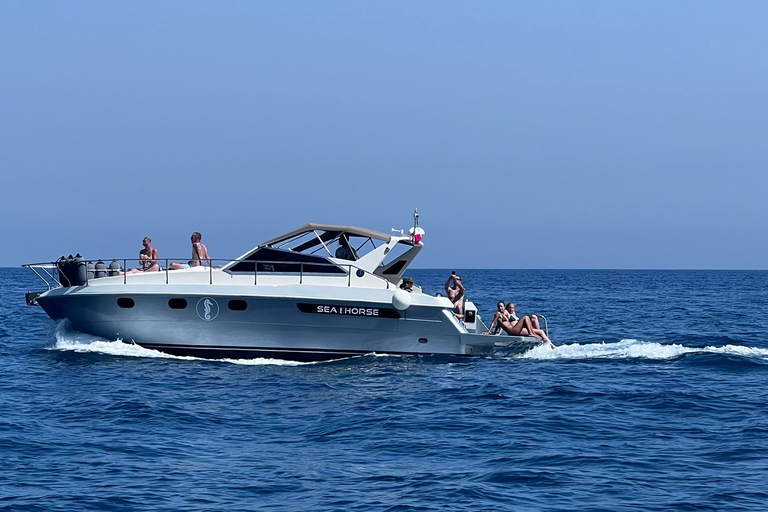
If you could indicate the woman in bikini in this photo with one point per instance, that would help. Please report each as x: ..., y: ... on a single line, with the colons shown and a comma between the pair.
x: 522, y: 326
x: 501, y: 315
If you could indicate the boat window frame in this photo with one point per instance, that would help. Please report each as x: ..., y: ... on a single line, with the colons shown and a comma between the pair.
x: 321, y: 242
x: 312, y: 239
x: 331, y: 268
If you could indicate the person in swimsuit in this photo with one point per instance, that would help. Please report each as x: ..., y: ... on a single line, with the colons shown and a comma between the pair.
x: 534, y: 318
x: 200, y: 255
x: 147, y: 258
x: 455, y: 291
x: 501, y: 314
x: 523, y: 326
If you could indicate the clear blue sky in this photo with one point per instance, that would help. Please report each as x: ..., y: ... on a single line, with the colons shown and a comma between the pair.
x: 561, y: 134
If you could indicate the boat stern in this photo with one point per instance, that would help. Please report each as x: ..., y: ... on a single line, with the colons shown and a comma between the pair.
x: 498, y: 346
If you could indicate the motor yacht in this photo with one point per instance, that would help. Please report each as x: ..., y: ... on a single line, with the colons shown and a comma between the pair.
x: 319, y: 292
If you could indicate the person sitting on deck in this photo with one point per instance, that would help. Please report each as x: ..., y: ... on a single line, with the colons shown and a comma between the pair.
x: 501, y: 314
x: 407, y: 284
x: 147, y: 258
x: 523, y: 326
x: 200, y: 255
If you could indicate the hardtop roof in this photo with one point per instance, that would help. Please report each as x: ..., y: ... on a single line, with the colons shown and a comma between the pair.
x: 351, y: 230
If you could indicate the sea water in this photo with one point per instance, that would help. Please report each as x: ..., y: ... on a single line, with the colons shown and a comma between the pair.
x: 655, y: 399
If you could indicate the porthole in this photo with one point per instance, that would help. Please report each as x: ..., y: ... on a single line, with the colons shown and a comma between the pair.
x: 177, y: 303
x: 237, y: 305
x: 125, y: 302
x: 360, y: 272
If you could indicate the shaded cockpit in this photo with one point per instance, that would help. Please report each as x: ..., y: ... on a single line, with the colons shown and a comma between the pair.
x: 327, y: 249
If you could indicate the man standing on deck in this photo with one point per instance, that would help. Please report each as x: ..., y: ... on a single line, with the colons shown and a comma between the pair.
x: 455, y: 291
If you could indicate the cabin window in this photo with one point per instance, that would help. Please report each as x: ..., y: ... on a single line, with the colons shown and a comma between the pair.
x: 177, y: 303
x: 125, y: 302
x: 268, y: 260
x: 238, y: 305
x: 396, y: 268
x: 394, y: 263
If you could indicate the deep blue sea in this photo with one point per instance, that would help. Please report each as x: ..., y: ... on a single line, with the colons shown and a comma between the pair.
x: 655, y: 399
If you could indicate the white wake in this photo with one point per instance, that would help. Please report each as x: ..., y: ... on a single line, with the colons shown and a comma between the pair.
x: 70, y: 340
x: 634, y: 349
x: 74, y: 341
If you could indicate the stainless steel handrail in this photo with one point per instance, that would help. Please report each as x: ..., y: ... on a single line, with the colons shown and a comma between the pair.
x: 167, y: 262
x: 546, y: 324
x: 44, y: 267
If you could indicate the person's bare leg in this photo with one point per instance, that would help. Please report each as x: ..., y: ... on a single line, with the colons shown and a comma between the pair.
x: 526, y: 326
x: 541, y: 334
x: 538, y: 330
x: 515, y: 330
x: 521, y: 328
x: 544, y: 336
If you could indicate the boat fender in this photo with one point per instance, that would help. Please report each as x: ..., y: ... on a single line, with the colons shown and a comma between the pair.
x: 69, y: 271
x: 91, y: 270
x: 100, y: 269
x: 80, y: 270
x: 61, y: 264
x: 401, y: 299
x: 114, y: 268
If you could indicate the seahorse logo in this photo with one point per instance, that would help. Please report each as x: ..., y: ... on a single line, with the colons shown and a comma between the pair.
x: 207, y: 309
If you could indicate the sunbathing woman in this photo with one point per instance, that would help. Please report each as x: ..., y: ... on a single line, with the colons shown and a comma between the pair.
x: 501, y: 314
x: 522, y: 326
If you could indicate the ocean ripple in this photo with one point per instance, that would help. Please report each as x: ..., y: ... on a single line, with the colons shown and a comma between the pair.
x: 653, y: 400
